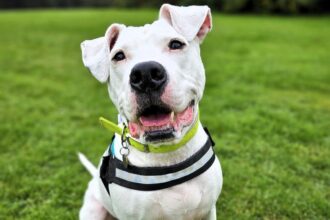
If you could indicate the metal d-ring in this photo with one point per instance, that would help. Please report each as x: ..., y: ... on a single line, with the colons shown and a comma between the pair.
x: 124, y: 151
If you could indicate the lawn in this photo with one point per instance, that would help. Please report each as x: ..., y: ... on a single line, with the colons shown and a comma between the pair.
x: 267, y: 104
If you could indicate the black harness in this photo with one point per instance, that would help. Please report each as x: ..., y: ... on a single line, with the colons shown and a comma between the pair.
x: 155, y: 178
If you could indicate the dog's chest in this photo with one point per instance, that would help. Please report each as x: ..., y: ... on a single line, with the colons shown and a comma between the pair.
x: 190, y: 200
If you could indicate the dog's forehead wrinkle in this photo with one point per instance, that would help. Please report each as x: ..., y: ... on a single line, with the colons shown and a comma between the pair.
x: 155, y: 27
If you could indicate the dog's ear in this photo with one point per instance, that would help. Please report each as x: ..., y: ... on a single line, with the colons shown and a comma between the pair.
x: 192, y: 21
x: 95, y: 53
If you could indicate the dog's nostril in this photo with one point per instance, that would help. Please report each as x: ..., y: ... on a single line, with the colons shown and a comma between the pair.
x: 136, y: 77
x: 156, y: 74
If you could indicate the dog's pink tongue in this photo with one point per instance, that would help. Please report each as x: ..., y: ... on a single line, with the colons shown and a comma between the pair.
x: 155, y: 120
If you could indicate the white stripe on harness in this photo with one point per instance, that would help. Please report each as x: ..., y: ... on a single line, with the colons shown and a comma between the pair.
x: 142, y: 179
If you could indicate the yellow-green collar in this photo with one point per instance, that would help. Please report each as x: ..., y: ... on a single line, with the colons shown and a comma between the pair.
x: 149, y: 147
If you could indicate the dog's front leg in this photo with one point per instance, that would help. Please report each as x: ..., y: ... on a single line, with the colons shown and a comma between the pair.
x: 212, y: 215
x: 92, y: 209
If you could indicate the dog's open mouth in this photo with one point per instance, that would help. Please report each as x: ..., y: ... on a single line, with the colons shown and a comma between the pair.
x: 158, y: 123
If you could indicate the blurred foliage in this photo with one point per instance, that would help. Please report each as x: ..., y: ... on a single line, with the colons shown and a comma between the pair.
x: 232, y: 6
x: 276, y: 6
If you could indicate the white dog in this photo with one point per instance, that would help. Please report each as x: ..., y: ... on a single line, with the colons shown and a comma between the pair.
x: 161, y: 163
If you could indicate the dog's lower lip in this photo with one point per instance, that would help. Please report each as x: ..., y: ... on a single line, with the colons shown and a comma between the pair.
x: 157, y: 135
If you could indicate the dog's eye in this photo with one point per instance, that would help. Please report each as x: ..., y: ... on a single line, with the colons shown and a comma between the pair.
x: 176, y: 45
x: 119, y: 56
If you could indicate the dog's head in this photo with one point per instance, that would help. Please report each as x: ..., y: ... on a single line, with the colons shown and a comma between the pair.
x: 154, y: 73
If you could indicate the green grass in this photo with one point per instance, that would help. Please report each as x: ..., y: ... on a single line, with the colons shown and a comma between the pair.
x: 267, y: 104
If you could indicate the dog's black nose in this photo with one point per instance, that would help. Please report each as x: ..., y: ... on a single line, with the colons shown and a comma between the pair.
x: 148, y: 76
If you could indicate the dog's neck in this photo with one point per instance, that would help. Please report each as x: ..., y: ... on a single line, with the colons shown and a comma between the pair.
x: 139, y: 158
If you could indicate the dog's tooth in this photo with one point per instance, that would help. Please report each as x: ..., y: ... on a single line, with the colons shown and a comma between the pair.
x: 172, y: 116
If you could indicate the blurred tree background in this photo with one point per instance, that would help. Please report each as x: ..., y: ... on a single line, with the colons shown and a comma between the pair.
x: 230, y: 6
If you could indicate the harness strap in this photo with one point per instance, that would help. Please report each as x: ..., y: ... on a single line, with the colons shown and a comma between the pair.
x: 156, y: 178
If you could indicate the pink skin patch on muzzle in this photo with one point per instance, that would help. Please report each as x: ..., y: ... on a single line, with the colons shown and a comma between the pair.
x: 166, y: 97
x: 162, y: 121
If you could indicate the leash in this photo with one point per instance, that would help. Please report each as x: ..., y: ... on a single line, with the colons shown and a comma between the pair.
x: 127, y: 140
